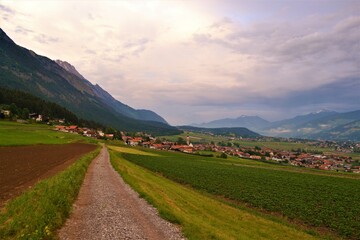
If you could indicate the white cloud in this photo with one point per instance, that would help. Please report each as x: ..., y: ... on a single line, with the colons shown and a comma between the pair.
x: 208, y: 60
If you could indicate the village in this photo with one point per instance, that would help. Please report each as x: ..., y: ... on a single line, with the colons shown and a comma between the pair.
x: 298, y: 158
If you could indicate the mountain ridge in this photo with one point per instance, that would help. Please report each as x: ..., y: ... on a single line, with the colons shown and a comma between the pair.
x: 323, y: 124
x: 24, y: 70
x: 237, y: 131
x: 250, y: 122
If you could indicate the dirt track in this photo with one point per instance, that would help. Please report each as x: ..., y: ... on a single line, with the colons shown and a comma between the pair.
x: 21, y: 167
x: 107, y: 208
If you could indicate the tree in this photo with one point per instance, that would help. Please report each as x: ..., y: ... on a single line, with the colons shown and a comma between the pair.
x: 13, y: 110
x: 24, y: 113
x: 181, y: 141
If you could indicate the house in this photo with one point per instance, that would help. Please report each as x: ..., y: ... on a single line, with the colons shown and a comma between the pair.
x: 146, y: 144
x: 90, y: 133
x: 101, y: 133
x: 157, y: 146
x: 72, y: 128
x: 60, y: 128
x: 109, y: 136
x: 39, y: 118
x: 135, y: 141
x: 182, y: 148
x: 6, y: 112
x: 255, y: 157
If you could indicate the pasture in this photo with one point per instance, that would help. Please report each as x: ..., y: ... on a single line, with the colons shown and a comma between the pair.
x: 17, y: 134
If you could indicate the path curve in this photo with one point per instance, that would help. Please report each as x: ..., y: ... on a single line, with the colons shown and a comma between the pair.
x: 107, y: 208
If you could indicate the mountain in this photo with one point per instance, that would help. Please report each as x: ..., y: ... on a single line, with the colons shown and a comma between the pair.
x: 24, y: 70
x: 70, y: 68
x: 252, y: 122
x: 348, y: 131
x: 290, y: 127
x: 314, y: 125
x: 124, y: 109
x: 237, y: 131
x: 121, y: 108
x: 323, y: 124
x: 22, y: 104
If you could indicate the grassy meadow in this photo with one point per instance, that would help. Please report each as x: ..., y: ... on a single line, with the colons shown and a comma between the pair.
x: 315, y: 200
x: 16, y: 134
x: 200, y: 215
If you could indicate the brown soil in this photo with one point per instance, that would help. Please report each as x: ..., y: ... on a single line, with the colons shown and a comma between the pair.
x: 21, y: 167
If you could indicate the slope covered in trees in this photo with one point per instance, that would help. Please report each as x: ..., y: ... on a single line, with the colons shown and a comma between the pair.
x: 21, y: 104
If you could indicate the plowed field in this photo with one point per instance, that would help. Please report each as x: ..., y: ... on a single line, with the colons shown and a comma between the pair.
x: 21, y: 167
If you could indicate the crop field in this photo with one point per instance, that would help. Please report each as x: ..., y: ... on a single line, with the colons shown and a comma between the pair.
x: 316, y: 200
x: 199, y: 215
x: 15, y: 134
x: 40, y: 211
x: 23, y: 166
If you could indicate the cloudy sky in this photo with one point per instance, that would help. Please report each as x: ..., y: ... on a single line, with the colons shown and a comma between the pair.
x: 196, y: 61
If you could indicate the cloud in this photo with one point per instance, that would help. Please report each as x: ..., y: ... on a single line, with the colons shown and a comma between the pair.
x: 43, y: 39
x: 6, y: 12
x: 22, y: 30
x: 6, y: 9
x: 192, y: 61
x: 136, y: 46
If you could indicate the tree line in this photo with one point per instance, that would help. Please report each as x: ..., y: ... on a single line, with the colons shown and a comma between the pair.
x: 21, y: 104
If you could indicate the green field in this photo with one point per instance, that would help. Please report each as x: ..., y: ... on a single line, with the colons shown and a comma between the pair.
x: 316, y: 200
x: 200, y: 215
x: 15, y: 134
x: 206, y: 138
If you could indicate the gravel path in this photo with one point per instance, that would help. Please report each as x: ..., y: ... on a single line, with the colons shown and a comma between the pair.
x: 107, y: 208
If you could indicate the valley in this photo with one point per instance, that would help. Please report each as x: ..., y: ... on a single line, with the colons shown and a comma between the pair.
x: 179, y: 120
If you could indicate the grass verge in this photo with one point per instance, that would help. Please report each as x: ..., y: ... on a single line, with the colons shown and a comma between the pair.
x: 37, y: 213
x: 200, y: 216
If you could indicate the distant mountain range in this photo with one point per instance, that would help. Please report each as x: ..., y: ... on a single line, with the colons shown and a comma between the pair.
x: 226, y: 131
x: 327, y: 125
x: 60, y: 82
x: 251, y: 122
